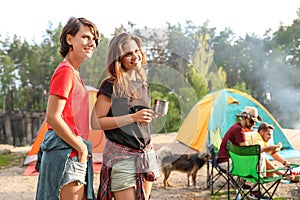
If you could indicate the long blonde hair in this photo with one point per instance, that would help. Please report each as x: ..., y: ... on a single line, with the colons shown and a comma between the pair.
x: 115, y: 70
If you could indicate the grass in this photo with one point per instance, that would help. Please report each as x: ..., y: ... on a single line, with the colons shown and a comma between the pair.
x: 10, y: 159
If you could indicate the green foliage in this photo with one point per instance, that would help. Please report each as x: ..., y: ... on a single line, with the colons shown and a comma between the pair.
x: 198, y: 82
x: 9, y: 159
x: 204, y: 75
x: 217, y: 79
x: 7, y: 78
x: 4, y: 160
x: 241, y: 87
x: 186, y: 100
x: 171, y: 122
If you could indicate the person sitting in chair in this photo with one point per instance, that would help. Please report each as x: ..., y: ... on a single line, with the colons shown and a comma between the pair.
x: 261, y: 137
x: 236, y: 134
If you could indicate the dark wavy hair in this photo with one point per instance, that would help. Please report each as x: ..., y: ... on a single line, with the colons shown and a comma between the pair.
x: 72, y: 27
x: 264, y: 127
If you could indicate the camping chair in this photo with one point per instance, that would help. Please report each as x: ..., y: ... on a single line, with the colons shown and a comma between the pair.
x: 212, y: 167
x: 245, y: 165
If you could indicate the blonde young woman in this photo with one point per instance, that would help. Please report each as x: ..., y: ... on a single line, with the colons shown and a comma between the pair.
x: 66, y: 170
x: 123, y: 112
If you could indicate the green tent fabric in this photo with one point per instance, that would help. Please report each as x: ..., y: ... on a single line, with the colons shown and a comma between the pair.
x: 216, y: 112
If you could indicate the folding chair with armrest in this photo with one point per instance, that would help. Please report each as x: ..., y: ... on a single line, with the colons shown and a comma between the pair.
x: 245, y: 165
x: 212, y: 167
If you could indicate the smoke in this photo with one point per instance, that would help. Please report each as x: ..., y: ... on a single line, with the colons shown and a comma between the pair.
x: 286, y: 103
x: 281, y: 82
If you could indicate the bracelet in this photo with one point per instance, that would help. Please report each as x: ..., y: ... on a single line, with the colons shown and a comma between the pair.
x: 284, y: 162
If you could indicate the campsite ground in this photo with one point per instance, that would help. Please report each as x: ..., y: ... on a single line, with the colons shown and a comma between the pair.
x: 15, y: 186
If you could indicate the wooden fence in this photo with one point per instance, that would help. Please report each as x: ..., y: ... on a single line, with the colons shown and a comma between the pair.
x: 19, y: 129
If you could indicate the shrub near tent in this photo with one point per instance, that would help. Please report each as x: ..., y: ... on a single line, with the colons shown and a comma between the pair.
x: 97, y: 138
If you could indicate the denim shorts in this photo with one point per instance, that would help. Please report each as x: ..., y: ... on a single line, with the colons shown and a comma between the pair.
x: 74, y: 171
x: 123, y: 175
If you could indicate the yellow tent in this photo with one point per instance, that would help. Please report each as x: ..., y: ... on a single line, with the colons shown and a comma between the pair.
x: 215, y: 113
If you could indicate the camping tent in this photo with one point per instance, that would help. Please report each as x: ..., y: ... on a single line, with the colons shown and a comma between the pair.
x: 96, y: 136
x: 216, y: 112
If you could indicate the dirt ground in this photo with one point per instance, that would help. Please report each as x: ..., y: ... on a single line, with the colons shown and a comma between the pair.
x: 15, y: 186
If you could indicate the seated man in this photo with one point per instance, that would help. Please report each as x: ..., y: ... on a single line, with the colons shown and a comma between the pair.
x: 261, y: 137
x: 236, y: 134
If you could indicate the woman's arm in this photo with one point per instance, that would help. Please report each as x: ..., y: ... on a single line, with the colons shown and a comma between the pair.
x: 54, y: 118
x: 102, y: 107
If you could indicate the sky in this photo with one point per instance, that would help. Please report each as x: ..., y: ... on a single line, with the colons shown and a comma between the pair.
x: 29, y: 19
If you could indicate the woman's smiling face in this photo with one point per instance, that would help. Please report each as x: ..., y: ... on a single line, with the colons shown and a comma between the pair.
x: 83, y: 43
x: 132, y: 56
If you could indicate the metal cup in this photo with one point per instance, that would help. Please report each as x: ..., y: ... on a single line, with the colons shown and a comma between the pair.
x: 161, y: 107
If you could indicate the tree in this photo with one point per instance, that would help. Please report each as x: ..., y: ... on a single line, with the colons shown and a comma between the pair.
x: 204, y: 75
x: 286, y: 38
x: 8, y: 79
x: 8, y: 73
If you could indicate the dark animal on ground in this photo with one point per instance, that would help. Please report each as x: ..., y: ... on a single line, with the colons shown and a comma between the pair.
x: 187, y: 163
